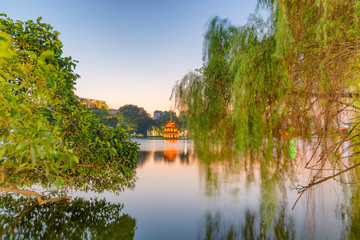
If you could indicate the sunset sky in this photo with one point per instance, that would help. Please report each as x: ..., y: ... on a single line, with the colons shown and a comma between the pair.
x: 131, y: 52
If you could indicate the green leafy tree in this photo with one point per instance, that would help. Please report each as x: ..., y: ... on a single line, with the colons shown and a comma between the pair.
x: 47, y: 137
x: 125, y: 123
x: 100, y: 113
x: 105, y: 117
x: 138, y: 116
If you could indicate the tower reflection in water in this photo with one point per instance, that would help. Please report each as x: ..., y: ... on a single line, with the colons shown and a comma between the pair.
x: 170, y: 153
x: 166, y: 151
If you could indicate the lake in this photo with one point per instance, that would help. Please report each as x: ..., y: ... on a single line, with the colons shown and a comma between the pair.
x: 181, y: 194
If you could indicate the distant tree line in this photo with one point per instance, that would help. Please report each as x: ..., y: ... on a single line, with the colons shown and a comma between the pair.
x: 136, y: 121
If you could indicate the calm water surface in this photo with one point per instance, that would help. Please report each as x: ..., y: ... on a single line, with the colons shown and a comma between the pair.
x: 179, y: 195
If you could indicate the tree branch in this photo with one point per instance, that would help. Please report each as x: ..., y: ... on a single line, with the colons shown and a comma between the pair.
x: 34, y: 194
x: 313, y: 183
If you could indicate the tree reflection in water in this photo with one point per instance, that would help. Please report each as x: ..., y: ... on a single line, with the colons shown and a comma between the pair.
x: 252, y: 228
x: 23, y: 218
x: 142, y: 158
x: 268, y: 186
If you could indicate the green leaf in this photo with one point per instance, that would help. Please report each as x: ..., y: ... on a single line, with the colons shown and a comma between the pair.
x: 74, y: 158
x: 39, y: 19
x: 5, y: 35
x: 52, y: 82
x: 23, y: 165
x: 33, y: 155
x: 114, y: 150
x: 20, y: 146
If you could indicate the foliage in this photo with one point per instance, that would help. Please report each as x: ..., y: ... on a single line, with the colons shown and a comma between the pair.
x: 125, y: 123
x: 292, y: 73
x: 74, y: 219
x: 183, y: 119
x: 206, y: 93
x: 167, y: 116
x: 47, y: 136
x: 138, y: 116
x: 105, y: 117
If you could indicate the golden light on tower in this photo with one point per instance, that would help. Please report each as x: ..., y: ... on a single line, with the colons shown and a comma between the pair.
x: 171, y: 132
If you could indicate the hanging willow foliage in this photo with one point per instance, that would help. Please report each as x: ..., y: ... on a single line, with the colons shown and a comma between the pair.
x: 296, y: 72
x: 206, y: 93
x: 236, y: 97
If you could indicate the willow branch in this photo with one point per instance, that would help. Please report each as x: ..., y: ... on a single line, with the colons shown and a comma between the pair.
x: 313, y: 183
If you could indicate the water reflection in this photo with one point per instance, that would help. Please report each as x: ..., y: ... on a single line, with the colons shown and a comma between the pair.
x: 142, y: 158
x: 167, y: 151
x: 24, y: 218
x: 236, y: 197
x: 182, y: 193
x: 264, y: 190
x: 251, y: 227
x: 170, y: 154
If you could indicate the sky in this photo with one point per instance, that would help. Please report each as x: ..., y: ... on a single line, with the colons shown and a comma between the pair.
x: 131, y: 51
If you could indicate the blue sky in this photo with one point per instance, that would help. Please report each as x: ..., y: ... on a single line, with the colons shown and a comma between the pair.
x: 131, y: 51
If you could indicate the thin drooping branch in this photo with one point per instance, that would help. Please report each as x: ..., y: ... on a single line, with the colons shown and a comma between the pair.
x: 312, y: 183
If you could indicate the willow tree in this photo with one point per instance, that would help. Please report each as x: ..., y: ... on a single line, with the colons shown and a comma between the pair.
x: 234, y: 98
x: 206, y: 93
x: 319, y: 44
x: 296, y: 70
x: 47, y: 137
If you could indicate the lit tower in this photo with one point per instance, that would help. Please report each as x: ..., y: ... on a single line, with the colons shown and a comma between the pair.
x: 171, y: 131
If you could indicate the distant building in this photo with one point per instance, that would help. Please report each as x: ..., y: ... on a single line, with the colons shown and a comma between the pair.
x: 158, y: 114
x: 113, y: 111
x: 93, y: 103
